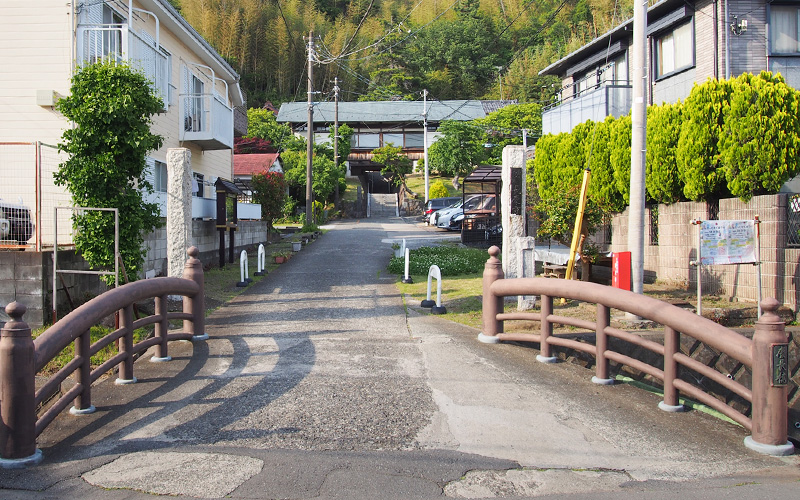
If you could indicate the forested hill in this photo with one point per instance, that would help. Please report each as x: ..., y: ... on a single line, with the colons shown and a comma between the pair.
x: 393, y: 49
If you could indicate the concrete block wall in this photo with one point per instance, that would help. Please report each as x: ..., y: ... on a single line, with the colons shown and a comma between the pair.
x: 27, y: 277
x: 677, y: 246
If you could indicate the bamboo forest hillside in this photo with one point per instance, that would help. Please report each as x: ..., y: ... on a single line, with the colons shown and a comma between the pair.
x: 393, y: 49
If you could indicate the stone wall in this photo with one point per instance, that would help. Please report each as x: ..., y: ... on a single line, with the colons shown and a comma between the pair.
x: 667, y: 256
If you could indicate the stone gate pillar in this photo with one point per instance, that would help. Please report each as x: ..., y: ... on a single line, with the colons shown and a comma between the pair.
x: 179, y: 209
x: 518, y: 249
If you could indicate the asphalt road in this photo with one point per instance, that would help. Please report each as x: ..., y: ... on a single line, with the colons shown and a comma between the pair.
x: 319, y: 382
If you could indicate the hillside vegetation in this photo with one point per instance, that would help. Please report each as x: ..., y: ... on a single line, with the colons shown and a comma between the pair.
x: 393, y: 49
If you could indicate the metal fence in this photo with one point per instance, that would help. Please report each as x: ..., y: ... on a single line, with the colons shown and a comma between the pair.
x: 28, y: 196
x: 793, y: 221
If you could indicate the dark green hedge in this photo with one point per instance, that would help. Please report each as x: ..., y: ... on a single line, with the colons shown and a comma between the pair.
x: 737, y: 137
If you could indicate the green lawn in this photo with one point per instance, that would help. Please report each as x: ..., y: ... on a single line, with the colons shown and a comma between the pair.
x: 416, y: 183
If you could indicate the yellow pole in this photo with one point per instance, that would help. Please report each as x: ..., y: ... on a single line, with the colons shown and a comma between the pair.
x: 576, y: 233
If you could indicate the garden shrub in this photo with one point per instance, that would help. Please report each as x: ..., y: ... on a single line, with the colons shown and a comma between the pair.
x: 760, y: 141
x: 438, y: 190
x: 697, y: 154
x: 663, y: 129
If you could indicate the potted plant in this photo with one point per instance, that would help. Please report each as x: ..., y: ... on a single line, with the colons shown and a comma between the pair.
x: 281, y: 257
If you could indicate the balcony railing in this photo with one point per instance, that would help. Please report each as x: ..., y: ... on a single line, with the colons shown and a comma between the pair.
x: 592, y: 105
x: 207, y: 121
x: 117, y: 42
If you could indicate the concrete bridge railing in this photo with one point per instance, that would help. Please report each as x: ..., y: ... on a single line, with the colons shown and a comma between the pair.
x: 766, y: 355
x: 21, y: 357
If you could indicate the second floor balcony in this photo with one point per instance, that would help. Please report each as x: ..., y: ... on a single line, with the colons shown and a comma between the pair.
x: 594, y: 104
x: 117, y: 42
x: 206, y: 121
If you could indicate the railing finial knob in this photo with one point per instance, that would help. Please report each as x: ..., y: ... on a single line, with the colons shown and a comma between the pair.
x: 494, y: 251
x: 769, y: 307
x: 16, y: 310
x: 193, y: 251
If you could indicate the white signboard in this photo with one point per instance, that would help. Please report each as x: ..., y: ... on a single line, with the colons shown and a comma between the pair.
x: 727, y: 242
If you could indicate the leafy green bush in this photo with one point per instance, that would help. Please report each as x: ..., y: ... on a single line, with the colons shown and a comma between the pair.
x: 697, y: 153
x: 451, y: 261
x: 602, y: 188
x: 112, y: 106
x: 760, y: 140
x: 663, y: 129
x: 438, y: 190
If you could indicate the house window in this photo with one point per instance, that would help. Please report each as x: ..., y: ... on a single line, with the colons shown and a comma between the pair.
x: 674, y: 50
x: 395, y: 139
x: 193, y: 122
x: 367, y: 141
x: 112, y: 39
x: 198, y: 179
x: 169, y: 99
x: 783, y: 29
x: 159, y: 176
x: 415, y: 140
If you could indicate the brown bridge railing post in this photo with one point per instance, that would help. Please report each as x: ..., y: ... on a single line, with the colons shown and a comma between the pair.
x: 161, y: 331
x: 126, y: 346
x: 770, y: 351
x: 193, y: 270
x: 17, y: 392
x: 492, y: 305
x: 672, y: 340
x: 83, y: 403
x: 546, y: 331
x: 601, y: 344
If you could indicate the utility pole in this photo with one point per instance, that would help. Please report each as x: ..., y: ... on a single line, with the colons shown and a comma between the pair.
x: 638, y: 146
x: 310, y: 139
x: 425, y: 140
x: 336, y: 139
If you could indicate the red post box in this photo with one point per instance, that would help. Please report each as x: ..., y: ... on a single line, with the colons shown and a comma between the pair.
x: 621, y: 270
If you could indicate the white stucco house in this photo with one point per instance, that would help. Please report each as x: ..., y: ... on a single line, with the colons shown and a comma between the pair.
x: 45, y: 42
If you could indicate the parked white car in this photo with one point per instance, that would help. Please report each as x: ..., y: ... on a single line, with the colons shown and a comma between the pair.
x: 442, y: 219
x: 432, y: 217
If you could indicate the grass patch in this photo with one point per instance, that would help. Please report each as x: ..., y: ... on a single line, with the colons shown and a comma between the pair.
x: 452, y: 261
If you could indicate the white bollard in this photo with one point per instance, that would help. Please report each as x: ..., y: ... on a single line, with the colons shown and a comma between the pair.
x: 261, y: 259
x: 407, y: 277
x: 436, y: 307
x: 243, y: 269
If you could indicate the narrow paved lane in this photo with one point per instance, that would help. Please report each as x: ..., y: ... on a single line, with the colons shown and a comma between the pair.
x: 319, y: 382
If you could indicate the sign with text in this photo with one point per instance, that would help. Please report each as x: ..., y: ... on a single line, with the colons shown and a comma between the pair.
x: 727, y: 242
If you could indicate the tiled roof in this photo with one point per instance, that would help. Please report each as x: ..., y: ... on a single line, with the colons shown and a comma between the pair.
x: 253, y: 164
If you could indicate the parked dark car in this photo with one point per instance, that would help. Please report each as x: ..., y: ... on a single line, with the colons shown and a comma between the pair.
x: 15, y: 223
x: 435, y: 204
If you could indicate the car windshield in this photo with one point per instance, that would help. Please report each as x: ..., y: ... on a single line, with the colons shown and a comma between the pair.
x: 455, y: 204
